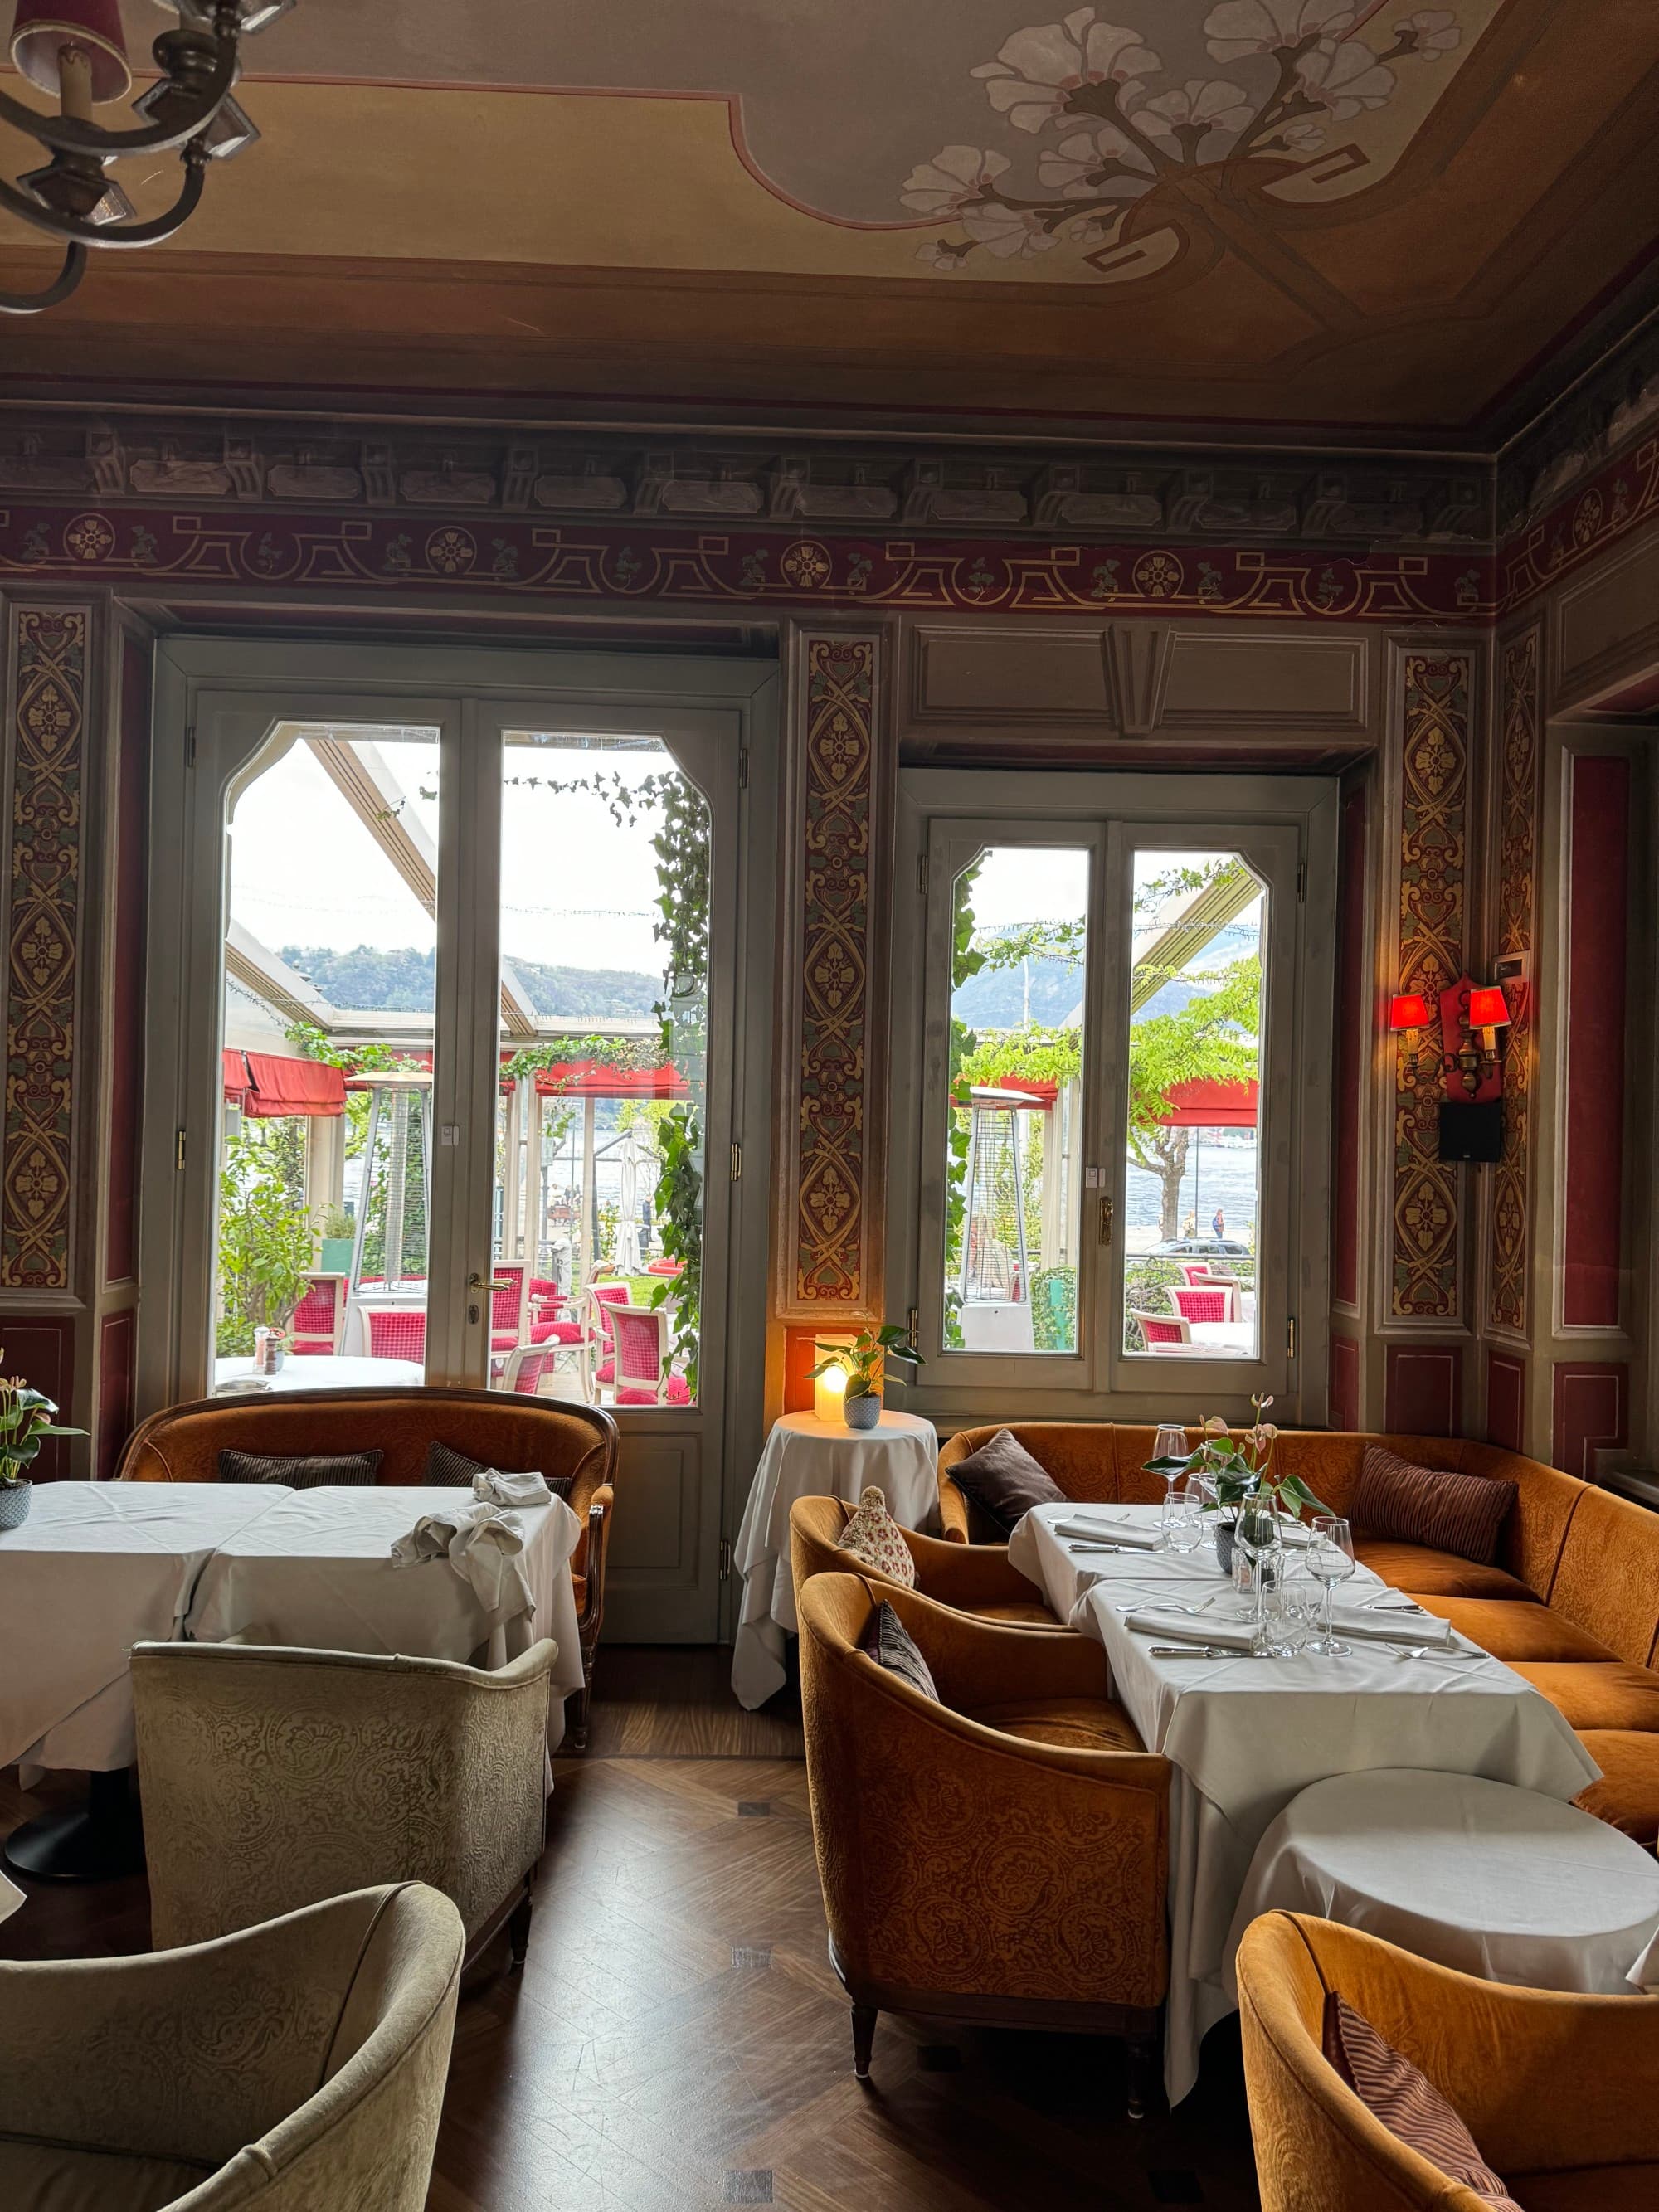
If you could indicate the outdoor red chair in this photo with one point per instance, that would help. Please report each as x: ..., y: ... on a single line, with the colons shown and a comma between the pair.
x: 1213, y: 1302
x: 397, y: 1333
x: 641, y: 1338
x: 507, y: 1304
x: 550, y: 1321
x: 319, y: 1320
x: 526, y: 1366
x: 1162, y: 1328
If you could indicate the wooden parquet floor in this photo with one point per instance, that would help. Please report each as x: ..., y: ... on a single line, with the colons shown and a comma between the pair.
x: 676, y: 2040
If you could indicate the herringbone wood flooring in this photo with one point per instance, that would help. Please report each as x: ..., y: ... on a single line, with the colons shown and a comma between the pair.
x: 676, y: 2040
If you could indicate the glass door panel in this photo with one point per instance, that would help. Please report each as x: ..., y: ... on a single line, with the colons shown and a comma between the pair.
x: 601, y: 1108
x: 1192, y: 1068
x: 328, y: 1038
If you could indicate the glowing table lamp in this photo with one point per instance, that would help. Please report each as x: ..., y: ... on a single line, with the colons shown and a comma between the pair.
x: 830, y: 1395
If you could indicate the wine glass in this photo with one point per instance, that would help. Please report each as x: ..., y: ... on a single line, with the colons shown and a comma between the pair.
x: 1330, y: 1561
x: 1170, y: 1443
x: 1256, y: 1540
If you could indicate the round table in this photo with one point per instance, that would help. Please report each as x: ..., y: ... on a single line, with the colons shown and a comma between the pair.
x: 1492, y: 1881
x: 807, y: 1457
x: 324, y: 1371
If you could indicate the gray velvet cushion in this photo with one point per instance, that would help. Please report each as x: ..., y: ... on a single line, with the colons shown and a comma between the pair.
x: 1004, y: 1481
x: 891, y: 1644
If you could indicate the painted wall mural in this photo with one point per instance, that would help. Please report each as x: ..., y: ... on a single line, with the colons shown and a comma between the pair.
x: 1516, y: 797
x: 1432, y: 925
x: 829, y: 1264
x: 1145, y: 146
x: 43, y: 922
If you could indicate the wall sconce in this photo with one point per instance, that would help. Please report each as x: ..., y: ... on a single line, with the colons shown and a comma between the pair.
x: 1488, y: 1013
x: 1408, y: 1013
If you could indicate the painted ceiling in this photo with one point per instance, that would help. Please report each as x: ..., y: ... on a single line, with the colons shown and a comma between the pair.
x: 1293, y: 213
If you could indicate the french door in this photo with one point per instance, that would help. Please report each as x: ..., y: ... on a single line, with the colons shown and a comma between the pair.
x: 1111, y: 1148
x: 458, y: 1047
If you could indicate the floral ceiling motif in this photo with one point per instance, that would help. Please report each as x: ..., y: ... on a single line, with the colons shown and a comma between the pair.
x: 1132, y: 157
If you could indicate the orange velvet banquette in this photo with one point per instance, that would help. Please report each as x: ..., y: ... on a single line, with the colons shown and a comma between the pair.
x: 552, y: 1436
x: 1572, y: 1602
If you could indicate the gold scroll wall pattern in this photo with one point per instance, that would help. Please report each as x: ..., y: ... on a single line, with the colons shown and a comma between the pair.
x: 832, y: 1137
x: 1432, y: 918
x: 43, y: 917
x: 1517, y: 768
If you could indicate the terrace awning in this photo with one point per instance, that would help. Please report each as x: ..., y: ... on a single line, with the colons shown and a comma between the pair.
x: 593, y: 1079
x: 268, y: 1084
x: 1206, y: 1105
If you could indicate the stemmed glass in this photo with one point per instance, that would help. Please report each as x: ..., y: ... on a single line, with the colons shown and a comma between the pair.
x: 1256, y: 1539
x: 1170, y: 1443
x: 1330, y: 1561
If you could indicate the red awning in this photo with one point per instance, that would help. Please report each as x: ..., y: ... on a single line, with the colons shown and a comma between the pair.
x: 277, y: 1085
x: 1203, y: 1105
x: 591, y: 1079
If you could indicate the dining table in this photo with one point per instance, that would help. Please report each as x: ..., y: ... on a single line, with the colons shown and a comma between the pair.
x: 317, y: 1371
x: 1245, y: 1735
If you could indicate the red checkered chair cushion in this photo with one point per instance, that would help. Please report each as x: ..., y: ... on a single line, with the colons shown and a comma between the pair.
x: 393, y: 1335
x: 1162, y: 1328
x: 1214, y: 1303
x: 315, y: 1328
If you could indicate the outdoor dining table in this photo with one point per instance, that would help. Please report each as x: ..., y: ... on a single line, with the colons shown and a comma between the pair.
x: 323, y: 1370
x: 1245, y: 1735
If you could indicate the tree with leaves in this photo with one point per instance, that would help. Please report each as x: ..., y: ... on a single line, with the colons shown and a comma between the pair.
x: 1212, y: 1039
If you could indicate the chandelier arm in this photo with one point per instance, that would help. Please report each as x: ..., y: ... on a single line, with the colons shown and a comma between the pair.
x: 31, y: 303
x: 64, y: 135
x: 108, y: 235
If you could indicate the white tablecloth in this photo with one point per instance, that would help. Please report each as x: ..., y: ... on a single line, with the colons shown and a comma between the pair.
x: 324, y: 1371
x: 1490, y: 1881
x: 807, y: 1457
x: 317, y: 1571
x: 1245, y: 1735
x: 96, y: 1567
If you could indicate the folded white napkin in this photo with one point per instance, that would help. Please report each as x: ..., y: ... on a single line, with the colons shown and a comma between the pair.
x: 481, y: 1543
x: 501, y: 1489
x: 1382, y: 1627
x: 1186, y: 1628
x: 1134, y: 1534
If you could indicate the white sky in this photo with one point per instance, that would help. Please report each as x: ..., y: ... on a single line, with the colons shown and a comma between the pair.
x: 577, y: 890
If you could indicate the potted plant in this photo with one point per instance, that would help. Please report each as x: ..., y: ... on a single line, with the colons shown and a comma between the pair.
x: 1237, y: 1472
x: 335, y: 1237
x: 862, y: 1362
x: 26, y: 1420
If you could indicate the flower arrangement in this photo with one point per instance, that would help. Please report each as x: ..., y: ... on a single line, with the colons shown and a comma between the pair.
x: 1239, y: 1470
x: 862, y: 1361
x: 26, y: 1420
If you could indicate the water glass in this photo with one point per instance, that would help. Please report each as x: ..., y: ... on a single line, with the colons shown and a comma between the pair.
x: 1183, y: 1521
x: 1330, y: 1561
x: 1287, y: 1609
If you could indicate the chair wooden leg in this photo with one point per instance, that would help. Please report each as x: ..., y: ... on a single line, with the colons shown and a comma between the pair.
x: 576, y: 1721
x: 864, y: 2039
x: 518, y: 1932
x: 1143, y: 2074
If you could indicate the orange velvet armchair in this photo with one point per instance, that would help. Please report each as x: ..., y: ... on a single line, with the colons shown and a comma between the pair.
x: 552, y: 1437
x: 974, y: 1579
x: 1556, y: 2090
x: 999, y: 1858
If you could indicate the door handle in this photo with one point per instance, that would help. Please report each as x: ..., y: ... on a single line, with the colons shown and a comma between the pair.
x: 1107, y: 1210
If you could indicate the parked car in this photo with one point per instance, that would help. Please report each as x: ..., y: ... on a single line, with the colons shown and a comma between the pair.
x: 1198, y: 1247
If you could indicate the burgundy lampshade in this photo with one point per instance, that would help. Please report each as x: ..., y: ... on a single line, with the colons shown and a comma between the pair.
x: 42, y: 27
x: 1408, y: 1010
x: 1488, y: 1009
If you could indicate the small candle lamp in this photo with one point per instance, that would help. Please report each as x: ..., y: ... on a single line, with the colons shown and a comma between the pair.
x: 830, y: 1395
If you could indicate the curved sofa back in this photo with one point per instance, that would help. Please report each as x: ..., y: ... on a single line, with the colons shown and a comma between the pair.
x: 1591, y: 1556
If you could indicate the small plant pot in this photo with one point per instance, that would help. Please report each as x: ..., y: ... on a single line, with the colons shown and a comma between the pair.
x: 863, y: 1413
x: 15, y: 1499
x: 1224, y: 1533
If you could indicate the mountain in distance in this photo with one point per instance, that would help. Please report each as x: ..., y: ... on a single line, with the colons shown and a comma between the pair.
x: 368, y: 981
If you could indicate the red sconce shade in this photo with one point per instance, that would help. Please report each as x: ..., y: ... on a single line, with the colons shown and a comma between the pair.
x: 1409, y: 1010
x: 1488, y: 1009
x: 43, y: 27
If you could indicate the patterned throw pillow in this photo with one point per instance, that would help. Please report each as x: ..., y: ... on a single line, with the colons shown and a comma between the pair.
x: 1460, y: 1513
x: 1407, y: 2103
x: 300, y: 1474
x: 877, y: 1541
x: 446, y: 1469
x: 1004, y: 1481
x: 891, y: 1644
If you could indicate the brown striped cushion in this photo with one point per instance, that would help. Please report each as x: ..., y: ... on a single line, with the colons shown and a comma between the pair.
x: 891, y: 1644
x: 299, y: 1473
x: 1460, y: 1513
x: 446, y: 1469
x: 1407, y: 2103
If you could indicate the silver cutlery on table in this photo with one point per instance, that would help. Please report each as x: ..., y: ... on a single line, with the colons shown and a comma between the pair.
x: 1105, y: 1547
x: 1196, y: 1651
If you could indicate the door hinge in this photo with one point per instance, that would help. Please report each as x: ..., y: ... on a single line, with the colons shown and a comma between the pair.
x: 189, y: 744
x: 1301, y: 883
x: 921, y: 875
x: 1289, y: 1337
x: 725, y: 1559
x: 179, y: 1152
x: 912, y: 1320
x: 737, y: 1164
x: 743, y: 767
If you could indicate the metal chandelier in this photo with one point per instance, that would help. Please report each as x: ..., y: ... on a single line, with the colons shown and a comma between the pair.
x: 74, y: 51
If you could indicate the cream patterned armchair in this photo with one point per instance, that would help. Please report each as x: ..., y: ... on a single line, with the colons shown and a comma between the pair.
x: 290, y: 2067
x: 272, y: 1778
